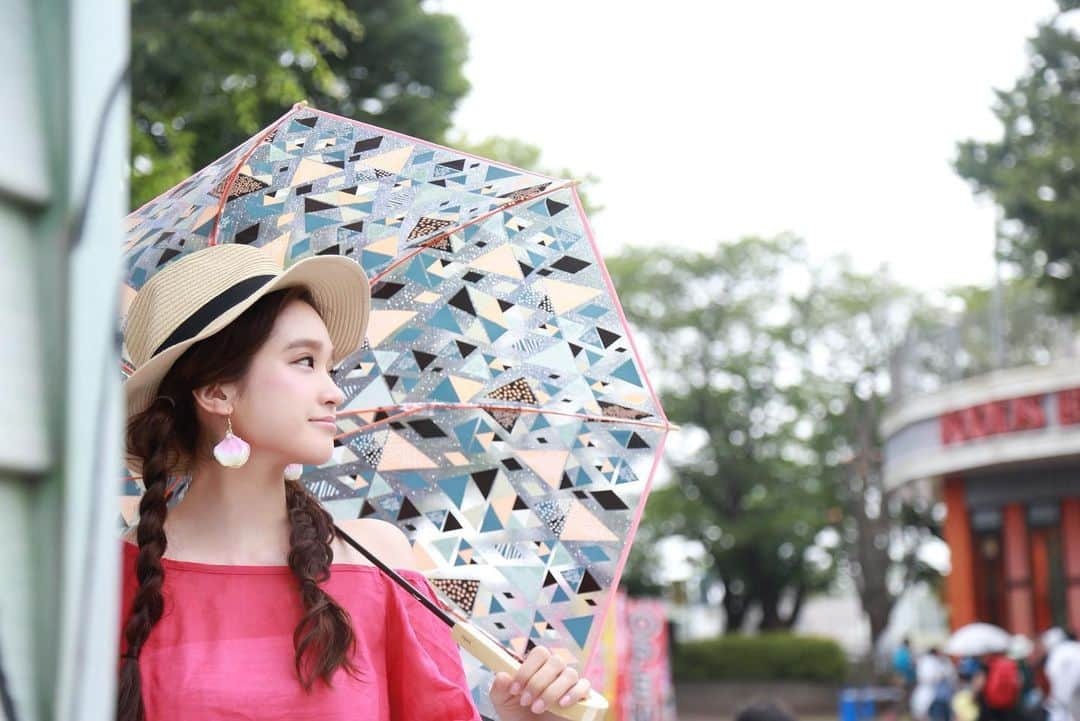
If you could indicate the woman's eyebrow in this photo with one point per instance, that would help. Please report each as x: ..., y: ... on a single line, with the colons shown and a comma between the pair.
x: 308, y: 343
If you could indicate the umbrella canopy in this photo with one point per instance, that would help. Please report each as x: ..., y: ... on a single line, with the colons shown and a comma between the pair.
x: 1020, y: 646
x: 499, y: 413
x: 976, y: 639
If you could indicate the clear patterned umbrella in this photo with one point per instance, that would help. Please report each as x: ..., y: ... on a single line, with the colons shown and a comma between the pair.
x: 499, y: 413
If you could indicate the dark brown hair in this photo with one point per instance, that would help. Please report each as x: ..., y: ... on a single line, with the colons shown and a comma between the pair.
x: 324, y: 639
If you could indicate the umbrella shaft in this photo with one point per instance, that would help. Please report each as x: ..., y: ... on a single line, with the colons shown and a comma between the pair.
x: 396, y: 577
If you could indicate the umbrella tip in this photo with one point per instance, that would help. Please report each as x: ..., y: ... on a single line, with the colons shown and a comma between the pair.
x: 301, y: 104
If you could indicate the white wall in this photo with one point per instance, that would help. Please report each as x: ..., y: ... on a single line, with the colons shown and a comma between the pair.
x: 57, y: 628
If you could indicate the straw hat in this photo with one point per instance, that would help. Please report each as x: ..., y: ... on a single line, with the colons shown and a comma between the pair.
x: 200, y: 293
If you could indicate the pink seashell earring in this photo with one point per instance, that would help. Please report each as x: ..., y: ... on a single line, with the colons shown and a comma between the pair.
x: 232, y: 451
x: 293, y: 471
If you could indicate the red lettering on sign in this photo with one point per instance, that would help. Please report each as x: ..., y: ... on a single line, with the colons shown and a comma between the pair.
x: 952, y: 428
x: 1027, y: 414
x: 1069, y: 407
x: 952, y: 424
x: 993, y: 418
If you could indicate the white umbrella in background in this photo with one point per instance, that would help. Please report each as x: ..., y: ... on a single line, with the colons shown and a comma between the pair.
x: 976, y: 639
x: 1020, y: 646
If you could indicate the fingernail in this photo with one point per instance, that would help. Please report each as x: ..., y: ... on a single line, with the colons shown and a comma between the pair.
x: 565, y: 700
x: 515, y: 688
x: 526, y: 698
x: 538, y: 707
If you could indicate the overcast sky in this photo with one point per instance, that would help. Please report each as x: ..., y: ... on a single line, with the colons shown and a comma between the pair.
x: 706, y: 121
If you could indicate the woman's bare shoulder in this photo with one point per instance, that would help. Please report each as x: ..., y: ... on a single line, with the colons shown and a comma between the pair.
x: 382, y: 538
x: 131, y: 535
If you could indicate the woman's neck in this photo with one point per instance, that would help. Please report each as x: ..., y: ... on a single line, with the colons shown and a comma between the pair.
x: 231, y: 516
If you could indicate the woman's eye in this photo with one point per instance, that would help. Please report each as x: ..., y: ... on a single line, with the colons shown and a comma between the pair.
x: 312, y: 359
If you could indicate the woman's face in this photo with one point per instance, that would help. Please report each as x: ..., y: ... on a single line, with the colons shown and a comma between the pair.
x: 286, y: 390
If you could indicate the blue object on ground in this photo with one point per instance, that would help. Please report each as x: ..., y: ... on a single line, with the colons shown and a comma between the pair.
x: 861, y: 704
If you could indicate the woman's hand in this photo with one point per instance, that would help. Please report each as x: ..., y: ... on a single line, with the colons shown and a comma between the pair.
x: 544, y: 681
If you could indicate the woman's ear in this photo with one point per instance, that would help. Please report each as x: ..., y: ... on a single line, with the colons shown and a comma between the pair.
x: 217, y: 399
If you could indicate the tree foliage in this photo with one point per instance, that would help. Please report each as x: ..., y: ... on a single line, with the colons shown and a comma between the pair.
x: 780, y: 369
x: 717, y: 324
x: 1031, y: 172
x: 208, y: 75
x: 857, y: 322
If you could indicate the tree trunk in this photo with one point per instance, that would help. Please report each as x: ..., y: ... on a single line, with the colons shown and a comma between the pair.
x: 872, y: 579
x: 770, y: 611
x: 796, y: 608
x: 735, y: 608
x: 871, y: 550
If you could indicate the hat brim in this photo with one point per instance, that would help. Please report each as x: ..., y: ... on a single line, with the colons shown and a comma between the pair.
x: 341, y: 291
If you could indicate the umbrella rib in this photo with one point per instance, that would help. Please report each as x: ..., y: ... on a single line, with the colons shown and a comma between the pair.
x: 227, y: 187
x: 472, y: 221
x: 448, y: 615
x: 620, y: 565
x: 396, y: 578
x: 409, y: 409
x: 420, y: 141
x: 616, y: 302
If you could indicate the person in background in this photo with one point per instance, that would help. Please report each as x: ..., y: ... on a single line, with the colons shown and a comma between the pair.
x: 1029, y: 706
x: 1063, y: 674
x: 933, y: 687
x: 762, y: 710
x: 965, y: 704
x: 904, y: 665
x: 999, y: 697
x: 1039, y: 666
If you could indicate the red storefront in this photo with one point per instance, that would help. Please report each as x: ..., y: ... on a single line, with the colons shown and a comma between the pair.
x: 1003, y: 451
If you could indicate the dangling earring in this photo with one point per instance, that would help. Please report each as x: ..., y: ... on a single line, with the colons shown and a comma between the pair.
x: 232, y: 451
x: 293, y: 471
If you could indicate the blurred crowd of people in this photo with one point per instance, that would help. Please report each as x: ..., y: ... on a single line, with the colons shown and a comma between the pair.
x: 1025, y: 681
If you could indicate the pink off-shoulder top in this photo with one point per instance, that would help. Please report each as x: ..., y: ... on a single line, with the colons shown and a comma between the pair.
x: 223, y: 649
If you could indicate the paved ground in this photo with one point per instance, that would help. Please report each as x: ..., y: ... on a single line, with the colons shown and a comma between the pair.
x: 696, y: 717
x: 812, y: 717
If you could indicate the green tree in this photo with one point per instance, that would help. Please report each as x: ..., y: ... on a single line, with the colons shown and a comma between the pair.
x: 404, y: 72
x: 207, y: 75
x: 717, y: 324
x: 855, y: 323
x: 782, y: 370
x: 1031, y: 172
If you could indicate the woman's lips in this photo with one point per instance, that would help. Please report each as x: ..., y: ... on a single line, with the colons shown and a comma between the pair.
x: 326, y: 424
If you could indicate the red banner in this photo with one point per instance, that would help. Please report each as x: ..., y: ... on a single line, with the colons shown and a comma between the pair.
x: 632, y: 667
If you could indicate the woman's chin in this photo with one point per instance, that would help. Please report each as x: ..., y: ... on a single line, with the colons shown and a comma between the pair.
x: 324, y: 454
x: 314, y: 453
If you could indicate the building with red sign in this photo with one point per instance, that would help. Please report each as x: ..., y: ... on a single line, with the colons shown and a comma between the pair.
x: 1003, y: 450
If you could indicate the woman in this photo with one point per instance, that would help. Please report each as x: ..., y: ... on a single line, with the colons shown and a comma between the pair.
x: 933, y: 687
x: 239, y: 599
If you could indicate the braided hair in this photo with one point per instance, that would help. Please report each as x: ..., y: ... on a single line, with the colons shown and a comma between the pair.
x: 168, y: 430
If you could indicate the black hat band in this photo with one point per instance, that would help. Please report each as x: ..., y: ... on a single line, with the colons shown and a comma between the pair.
x: 213, y: 308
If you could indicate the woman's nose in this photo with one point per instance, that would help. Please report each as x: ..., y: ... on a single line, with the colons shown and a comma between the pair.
x: 334, y: 392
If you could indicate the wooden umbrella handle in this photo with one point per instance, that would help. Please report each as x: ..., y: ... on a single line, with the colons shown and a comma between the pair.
x: 494, y: 656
